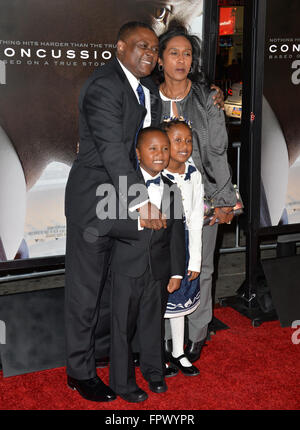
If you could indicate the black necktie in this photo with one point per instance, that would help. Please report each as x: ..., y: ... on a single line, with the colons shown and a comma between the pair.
x: 141, y: 94
x: 155, y: 181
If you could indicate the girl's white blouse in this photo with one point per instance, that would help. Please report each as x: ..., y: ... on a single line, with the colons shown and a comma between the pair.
x: 192, y: 198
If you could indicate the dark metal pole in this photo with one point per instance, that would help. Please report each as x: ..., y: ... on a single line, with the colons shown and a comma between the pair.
x: 253, y: 62
x: 210, y: 38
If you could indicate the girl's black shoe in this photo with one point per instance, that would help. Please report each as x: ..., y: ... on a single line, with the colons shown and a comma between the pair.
x: 188, y: 371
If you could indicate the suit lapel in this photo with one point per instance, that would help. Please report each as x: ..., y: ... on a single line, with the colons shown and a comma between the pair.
x: 167, y: 197
x: 128, y: 88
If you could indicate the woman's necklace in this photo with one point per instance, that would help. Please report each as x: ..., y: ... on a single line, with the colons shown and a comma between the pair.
x: 180, y: 96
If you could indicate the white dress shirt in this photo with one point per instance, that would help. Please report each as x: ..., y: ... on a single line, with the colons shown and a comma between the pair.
x: 134, y: 83
x: 155, y: 192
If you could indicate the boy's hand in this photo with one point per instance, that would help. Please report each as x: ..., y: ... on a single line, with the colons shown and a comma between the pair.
x: 192, y: 275
x: 173, y: 285
x: 218, y: 97
x: 151, y: 217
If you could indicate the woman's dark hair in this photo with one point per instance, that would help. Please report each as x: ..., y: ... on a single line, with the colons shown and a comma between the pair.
x: 177, y: 29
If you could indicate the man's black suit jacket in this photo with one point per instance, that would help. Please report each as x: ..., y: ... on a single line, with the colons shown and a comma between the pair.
x: 110, y: 117
x: 162, y: 250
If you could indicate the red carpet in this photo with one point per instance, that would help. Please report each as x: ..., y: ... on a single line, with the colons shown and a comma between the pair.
x: 242, y: 368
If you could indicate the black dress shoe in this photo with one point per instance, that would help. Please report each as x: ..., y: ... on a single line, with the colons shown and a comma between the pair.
x: 136, y: 396
x: 102, y: 362
x: 92, y: 389
x: 188, y: 371
x: 158, y: 386
x: 170, y: 371
x: 193, y: 350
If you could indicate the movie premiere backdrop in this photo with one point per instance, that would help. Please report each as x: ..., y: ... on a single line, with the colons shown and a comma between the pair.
x: 47, y: 50
x: 280, y: 143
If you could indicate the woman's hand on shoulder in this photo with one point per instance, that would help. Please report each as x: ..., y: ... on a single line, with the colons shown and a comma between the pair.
x: 218, y: 97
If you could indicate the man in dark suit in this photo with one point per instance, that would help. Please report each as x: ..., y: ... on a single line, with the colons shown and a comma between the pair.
x: 111, y: 113
x: 144, y: 271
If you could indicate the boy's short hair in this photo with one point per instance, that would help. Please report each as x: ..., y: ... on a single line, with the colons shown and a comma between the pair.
x: 145, y: 131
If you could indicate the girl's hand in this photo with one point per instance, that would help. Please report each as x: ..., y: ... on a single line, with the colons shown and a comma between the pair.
x: 192, y: 275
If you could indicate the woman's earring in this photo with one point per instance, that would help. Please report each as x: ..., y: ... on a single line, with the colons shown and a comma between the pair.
x: 160, y: 67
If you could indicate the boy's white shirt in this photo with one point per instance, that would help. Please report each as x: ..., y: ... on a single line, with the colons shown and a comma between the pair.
x: 155, y: 192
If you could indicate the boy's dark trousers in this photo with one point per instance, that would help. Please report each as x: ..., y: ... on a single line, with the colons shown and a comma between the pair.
x: 137, y: 304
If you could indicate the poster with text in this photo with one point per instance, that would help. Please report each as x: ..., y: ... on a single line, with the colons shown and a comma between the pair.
x: 47, y: 51
x: 280, y: 144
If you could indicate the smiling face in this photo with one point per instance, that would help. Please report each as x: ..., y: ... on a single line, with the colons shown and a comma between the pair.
x: 154, y: 152
x: 177, y: 58
x: 181, y: 144
x: 138, y: 53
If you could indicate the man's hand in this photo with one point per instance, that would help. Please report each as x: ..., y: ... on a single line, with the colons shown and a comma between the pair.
x: 151, y: 217
x: 218, y: 97
x: 173, y: 285
x: 192, y: 275
x: 224, y: 215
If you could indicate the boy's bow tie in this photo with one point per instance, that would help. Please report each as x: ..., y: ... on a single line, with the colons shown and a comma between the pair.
x: 155, y: 181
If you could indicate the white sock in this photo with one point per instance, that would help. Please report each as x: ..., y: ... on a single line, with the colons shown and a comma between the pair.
x: 177, y: 330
